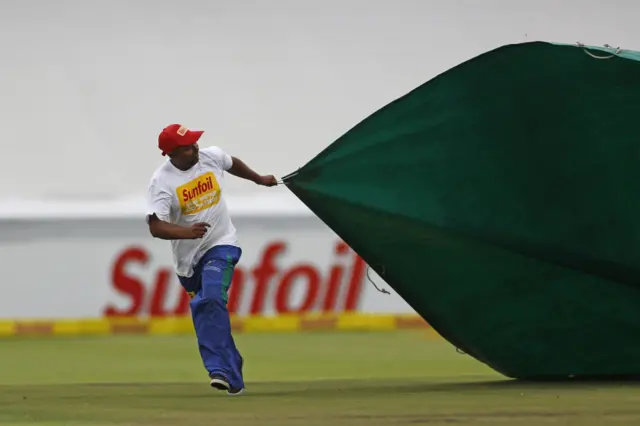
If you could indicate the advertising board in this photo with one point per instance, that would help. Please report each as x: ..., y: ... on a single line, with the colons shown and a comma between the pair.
x: 93, y: 268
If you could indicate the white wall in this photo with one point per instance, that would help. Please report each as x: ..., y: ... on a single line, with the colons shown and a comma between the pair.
x: 273, y: 82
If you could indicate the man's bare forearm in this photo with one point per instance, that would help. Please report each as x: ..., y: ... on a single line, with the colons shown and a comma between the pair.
x: 168, y: 231
x: 241, y: 170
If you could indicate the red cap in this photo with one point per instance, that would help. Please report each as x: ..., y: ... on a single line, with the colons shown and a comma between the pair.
x: 176, y: 135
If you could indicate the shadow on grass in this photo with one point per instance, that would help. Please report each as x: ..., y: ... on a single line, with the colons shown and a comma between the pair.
x: 322, y: 388
x: 346, y: 387
x: 517, y: 384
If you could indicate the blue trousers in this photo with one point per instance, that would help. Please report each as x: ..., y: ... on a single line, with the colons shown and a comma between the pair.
x: 209, y: 291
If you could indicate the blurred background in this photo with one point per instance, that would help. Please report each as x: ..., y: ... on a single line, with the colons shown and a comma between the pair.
x: 87, y: 85
x: 85, y: 88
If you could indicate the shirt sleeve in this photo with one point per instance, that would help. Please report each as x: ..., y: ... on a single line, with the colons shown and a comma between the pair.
x: 219, y: 156
x: 158, y: 202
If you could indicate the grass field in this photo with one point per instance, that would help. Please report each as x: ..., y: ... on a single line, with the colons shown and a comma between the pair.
x: 322, y: 378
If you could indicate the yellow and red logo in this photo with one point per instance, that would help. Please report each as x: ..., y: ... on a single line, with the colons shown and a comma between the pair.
x: 199, y: 194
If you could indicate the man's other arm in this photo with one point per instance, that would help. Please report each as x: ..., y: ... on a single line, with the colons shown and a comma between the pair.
x: 170, y: 231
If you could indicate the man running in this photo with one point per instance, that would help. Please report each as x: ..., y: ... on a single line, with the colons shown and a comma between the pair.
x: 186, y: 206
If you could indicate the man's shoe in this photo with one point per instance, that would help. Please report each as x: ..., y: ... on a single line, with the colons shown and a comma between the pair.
x: 219, y: 382
x: 235, y: 391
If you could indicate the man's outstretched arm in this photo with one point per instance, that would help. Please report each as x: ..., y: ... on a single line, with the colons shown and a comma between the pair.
x: 241, y: 170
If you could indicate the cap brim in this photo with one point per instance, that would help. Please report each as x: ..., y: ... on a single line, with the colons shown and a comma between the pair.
x: 192, y: 137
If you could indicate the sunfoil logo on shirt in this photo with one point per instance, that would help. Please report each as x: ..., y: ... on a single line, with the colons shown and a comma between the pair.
x: 199, y: 194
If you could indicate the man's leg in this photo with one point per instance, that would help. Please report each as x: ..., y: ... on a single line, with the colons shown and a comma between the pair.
x: 211, y: 319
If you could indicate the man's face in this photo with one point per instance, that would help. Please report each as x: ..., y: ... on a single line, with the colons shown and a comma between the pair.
x: 186, y: 155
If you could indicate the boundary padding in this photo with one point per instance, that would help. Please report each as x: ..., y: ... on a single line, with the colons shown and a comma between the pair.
x: 183, y: 325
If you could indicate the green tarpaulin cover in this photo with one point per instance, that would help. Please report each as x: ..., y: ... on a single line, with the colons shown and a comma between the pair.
x: 501, y: 200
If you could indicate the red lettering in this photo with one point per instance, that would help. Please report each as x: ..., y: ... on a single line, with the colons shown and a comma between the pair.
x: 183, y: 305
x: 313, y: 289
x: 127, y: 284
x: 163, y: 278
x: 262, y: 274
x: 185, y: 195
x: 236, y: 290
x: 282, y: 304
x: 335, y: 279
x: 355, y: 284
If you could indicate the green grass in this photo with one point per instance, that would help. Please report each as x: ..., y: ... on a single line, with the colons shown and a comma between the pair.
x: 292, y: 379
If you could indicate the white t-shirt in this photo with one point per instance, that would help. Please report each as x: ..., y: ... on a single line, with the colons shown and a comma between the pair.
x: 191, y: 196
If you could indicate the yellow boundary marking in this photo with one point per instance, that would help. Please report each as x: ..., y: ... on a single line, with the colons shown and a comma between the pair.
x: 183, y: 325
